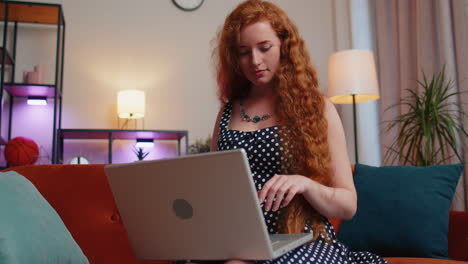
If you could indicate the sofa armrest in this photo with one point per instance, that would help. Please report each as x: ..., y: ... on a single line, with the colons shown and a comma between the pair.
x: 458, y: 235
x: 336, y: 223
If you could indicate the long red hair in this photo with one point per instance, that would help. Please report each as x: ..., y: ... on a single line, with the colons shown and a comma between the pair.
x: 300, y: 106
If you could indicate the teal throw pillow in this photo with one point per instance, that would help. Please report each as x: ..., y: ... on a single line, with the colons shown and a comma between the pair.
x: 30, y: 229
x: 402, y: 211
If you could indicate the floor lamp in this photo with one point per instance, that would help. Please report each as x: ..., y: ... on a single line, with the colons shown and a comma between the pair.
x: 352, y: 79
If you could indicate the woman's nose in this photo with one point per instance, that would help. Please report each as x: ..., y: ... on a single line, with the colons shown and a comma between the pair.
x: 256, y: 58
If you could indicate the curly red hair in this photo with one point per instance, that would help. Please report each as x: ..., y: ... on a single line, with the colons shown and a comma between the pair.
x: 300, y: 106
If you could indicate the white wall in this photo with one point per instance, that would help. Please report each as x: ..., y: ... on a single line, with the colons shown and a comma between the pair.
x: 153, y: 46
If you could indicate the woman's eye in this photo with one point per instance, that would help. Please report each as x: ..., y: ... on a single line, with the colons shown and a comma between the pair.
x: 265, y: 48
x: 244, y: 52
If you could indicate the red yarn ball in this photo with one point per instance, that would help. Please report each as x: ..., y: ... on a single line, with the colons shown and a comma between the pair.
x: 21, y: 151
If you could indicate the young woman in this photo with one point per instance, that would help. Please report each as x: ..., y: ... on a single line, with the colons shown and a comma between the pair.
x: 293, y: 136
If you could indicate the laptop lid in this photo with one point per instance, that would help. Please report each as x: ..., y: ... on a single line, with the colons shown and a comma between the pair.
x: 202, y: 206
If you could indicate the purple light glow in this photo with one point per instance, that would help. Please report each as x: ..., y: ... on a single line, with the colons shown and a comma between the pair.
x: 144, y: 144
x: 36, y: 123
x: 37, y: 101
x: 122, y: 150
x: 31, y: 122
x: 122, y: 135
x: 25, y: 90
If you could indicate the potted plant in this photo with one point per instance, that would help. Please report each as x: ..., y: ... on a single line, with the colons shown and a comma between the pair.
x: 140, y: 153
x: 430, y: 132
x: 200, y: 146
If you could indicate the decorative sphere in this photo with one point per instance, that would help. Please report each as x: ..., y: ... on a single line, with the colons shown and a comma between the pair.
x: 21, y: 151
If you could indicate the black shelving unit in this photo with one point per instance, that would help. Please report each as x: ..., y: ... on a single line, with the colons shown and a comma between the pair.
x: 111, y: 135
x: 13, y: 13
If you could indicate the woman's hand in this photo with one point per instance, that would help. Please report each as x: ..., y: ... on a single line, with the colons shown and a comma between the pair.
x: 281, y: 189
x: 339, y: 200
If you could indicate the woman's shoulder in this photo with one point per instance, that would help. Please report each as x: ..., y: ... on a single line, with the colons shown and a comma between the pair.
x: 224, y: 106
x: 231, y: 102
x: 329, y: 107
x: 331, y: 114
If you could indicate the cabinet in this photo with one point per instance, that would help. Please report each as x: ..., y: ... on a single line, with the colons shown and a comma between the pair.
x: 15, y: 17
x: 118, y: 134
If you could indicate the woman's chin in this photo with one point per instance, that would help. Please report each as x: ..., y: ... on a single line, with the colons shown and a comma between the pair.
x: 261, y: 82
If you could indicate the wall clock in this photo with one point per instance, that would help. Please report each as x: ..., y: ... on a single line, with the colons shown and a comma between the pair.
x: 188, y: 5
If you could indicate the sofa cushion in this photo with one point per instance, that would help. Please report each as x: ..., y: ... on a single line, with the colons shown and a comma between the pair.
x: 30, y: 229
x: 403, y: 211
x: 421, y: 261
x: 82, y: 197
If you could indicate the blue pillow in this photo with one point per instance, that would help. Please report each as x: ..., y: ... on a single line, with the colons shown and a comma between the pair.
x: 30, y: 229
x: 402, y: 211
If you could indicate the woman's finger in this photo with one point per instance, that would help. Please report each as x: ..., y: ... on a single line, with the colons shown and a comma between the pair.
x: 266, y: 188
x: 291, y: 193
x: 273, y: 191
x: 280, y: 195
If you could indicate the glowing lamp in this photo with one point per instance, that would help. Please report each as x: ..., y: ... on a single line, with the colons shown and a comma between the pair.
x: 144, y: 143
x: 352, y: 79
x: 131, y: 104
x: 37, y: 100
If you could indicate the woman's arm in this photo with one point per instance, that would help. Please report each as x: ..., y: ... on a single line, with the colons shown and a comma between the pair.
x: 338, y: 201
x: 214, y: 137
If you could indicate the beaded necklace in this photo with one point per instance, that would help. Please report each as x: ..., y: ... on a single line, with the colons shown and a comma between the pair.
x: 255, y: 119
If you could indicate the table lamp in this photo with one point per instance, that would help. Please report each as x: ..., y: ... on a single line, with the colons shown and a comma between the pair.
x: 352, y: 79
x: 131, y: 104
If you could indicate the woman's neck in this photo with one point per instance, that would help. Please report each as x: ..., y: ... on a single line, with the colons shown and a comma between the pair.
x: 258, y: 92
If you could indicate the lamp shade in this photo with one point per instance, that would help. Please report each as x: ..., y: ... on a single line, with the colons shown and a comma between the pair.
x: 352, y: 72
x: 131, y: 104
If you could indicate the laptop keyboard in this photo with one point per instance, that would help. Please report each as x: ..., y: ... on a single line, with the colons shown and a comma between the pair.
x: 280, y: 240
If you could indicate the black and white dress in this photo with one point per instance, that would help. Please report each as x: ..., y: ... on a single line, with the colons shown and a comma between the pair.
x: 265, y: 152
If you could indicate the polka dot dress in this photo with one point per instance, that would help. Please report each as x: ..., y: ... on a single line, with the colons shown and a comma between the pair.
x: 265, y: 153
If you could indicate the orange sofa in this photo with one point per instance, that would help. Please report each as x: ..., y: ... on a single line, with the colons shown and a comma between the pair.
x: 81, y: 196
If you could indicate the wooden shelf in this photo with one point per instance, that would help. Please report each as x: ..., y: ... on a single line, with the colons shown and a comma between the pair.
x: 27, y: 89
x: 32, y: 12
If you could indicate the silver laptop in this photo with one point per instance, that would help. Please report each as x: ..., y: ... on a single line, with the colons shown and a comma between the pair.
x: 202, y: 207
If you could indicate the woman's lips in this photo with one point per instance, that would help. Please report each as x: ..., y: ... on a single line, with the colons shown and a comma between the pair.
x: 260, y: 73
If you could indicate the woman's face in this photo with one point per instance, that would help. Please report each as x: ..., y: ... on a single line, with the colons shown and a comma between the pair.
x: 259, y: 53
